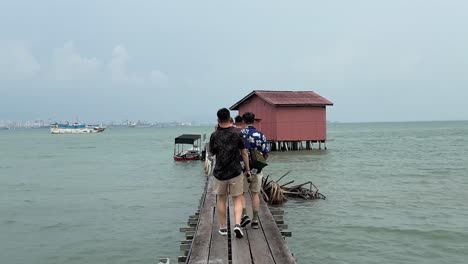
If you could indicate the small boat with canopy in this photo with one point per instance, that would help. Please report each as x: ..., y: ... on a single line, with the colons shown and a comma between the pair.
x: 182, y: 152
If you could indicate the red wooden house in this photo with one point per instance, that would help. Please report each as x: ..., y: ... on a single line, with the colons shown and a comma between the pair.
x: 287, y: 118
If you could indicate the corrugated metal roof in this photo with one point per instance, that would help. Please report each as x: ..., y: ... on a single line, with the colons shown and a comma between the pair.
x: 287, y: 98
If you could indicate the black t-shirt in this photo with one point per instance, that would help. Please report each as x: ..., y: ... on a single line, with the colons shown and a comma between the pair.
x: 226, y: 144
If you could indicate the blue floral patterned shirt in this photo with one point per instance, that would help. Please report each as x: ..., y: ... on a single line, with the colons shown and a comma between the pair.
x: 255, y: 139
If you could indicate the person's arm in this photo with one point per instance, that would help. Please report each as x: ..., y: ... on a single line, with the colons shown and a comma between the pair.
x: 213, y: 149
x: 245, y: 158
x: 265, y: 147
x: 244, y: 154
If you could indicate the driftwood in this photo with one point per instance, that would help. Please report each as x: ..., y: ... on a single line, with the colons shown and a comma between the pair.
x: 275, y: 193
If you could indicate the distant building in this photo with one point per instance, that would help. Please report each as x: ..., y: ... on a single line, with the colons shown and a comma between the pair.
x: 288, y: 118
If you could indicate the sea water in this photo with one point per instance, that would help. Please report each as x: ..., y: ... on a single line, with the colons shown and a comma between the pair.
x: 396, y: 193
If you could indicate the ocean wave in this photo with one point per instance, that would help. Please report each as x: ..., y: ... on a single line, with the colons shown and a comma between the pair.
x: 438, y: 234
x: 58, y: 225
x: 83, y: 147
x: 134, y: 207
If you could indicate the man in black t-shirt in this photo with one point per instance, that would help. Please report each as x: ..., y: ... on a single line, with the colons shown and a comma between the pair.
x: 227, y: 144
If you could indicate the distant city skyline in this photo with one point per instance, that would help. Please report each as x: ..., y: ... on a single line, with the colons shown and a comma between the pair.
x: 377, y: 61
x: 42, y: 123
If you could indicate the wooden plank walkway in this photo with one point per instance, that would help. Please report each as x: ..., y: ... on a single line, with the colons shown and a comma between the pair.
x: 258, y: 246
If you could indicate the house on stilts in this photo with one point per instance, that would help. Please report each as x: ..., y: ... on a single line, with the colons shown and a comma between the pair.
x: 291, y: 120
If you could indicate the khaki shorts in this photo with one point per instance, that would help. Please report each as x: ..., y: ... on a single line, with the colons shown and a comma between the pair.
x: 255, y: 183
x: 235, y: 185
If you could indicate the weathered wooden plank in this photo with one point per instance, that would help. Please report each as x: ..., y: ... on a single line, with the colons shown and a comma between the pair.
x: 277, y: 213
x: 202, y: 239
x: 186, y: 242
x: 278, y: 217
x: 184, y: 229
x: 276, y: 208
x: 189, y: 235
x: 219, y: 244
x: 240, y: 247
x: 259, y: 249
x: 282, y: 226
x: 191, y: 222
x: 278, y: 247
x: 185, y: 247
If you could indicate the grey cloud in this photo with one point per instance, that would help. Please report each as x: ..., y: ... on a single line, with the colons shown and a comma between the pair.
x: 17, y: 62
x: 158, y: 78
x: 119, y: 72
x: 67, y: 64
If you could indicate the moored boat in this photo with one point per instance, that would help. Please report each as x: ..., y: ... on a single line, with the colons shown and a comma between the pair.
x: 192, y: 153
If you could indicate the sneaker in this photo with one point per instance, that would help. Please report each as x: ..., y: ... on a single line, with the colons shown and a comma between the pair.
x: 223, y: 231
x: 254, y: 224
x: 245, y: 221
x: 238, y: 231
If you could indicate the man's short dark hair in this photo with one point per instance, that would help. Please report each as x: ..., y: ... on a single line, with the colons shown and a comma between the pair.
x: 223, y: 115
x: 238, y: 119
x: 249, y: 117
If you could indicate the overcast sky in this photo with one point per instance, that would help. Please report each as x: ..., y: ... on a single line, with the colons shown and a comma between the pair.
x: 182, y: 60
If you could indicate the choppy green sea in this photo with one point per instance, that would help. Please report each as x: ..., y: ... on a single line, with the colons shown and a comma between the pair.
x: 396, y: 193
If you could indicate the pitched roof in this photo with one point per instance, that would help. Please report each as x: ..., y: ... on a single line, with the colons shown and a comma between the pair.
x: 286, y: 98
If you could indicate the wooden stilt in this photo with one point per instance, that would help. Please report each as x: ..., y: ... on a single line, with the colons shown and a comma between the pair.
x: 296, y: 145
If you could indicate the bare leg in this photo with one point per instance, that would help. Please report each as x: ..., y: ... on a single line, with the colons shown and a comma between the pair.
x: 237, y: 208
x: 255, y: 201
x: 221, y: 209
x: 243, y: 201
x: 246, y: 190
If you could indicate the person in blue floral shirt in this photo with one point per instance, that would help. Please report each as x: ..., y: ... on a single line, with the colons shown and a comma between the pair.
x: 253, y: 139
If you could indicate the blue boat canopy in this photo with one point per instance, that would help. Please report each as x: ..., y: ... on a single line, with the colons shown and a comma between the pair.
x: 71, y: 125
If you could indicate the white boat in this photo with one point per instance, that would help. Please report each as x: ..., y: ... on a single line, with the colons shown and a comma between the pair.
x: 75, y: 128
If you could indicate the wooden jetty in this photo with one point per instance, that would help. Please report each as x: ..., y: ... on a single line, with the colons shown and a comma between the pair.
x: 203, y: 244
